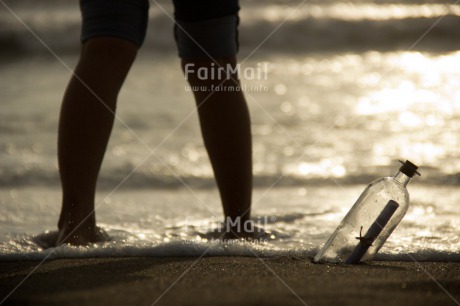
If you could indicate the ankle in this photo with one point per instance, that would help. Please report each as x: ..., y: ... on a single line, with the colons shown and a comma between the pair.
x: 72, y: 220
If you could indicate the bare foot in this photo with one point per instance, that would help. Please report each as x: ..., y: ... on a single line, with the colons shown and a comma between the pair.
x: 245, y: 233
x: 81, y: 235
x: 55, y: 238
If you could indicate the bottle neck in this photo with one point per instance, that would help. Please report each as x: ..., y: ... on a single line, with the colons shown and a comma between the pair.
x: 402, y: 178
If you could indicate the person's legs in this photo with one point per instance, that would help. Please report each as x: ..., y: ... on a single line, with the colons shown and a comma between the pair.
x: 86, y: 120
x: 225, y: 126
x: 206, y: 36
x: 112, y: 32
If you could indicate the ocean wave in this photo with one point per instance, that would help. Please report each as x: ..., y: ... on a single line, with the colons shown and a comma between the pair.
x: 109, y: 178
x: 25, y: 249
x: 333, y: 35
x: 311, y: 28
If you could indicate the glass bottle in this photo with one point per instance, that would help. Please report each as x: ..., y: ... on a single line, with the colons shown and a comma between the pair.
x: 371, y: 220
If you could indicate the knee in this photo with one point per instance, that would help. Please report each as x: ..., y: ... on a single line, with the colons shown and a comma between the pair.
x: 109, y: 49
x: 210, y: 71
x: 104, y: 64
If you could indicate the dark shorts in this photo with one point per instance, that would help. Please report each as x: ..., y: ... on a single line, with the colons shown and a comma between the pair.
x: 203, y: 28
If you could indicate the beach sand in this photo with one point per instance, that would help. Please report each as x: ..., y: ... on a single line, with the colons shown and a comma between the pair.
x: 228, y: 281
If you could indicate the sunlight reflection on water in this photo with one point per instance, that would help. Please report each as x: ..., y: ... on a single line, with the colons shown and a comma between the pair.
x: 411, y: 98
x: 357, y: 11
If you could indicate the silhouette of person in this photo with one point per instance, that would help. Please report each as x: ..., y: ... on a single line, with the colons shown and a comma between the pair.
x: 112, y: 32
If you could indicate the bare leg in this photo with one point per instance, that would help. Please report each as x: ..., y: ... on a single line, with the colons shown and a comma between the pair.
x: 225, y: 126
x: 84, y: 128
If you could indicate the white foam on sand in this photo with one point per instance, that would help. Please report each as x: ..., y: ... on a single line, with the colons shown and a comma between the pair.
x: 159, y: 223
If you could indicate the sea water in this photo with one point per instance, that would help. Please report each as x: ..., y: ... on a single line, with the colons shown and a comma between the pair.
x: 350, y: 89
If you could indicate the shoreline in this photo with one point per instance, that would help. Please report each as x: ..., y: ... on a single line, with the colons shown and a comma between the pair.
x: 228, y: 281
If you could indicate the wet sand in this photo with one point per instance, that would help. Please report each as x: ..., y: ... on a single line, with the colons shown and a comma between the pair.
x: 228, y: 281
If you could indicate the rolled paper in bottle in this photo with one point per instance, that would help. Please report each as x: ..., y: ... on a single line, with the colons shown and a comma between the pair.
x: 373, y: 232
